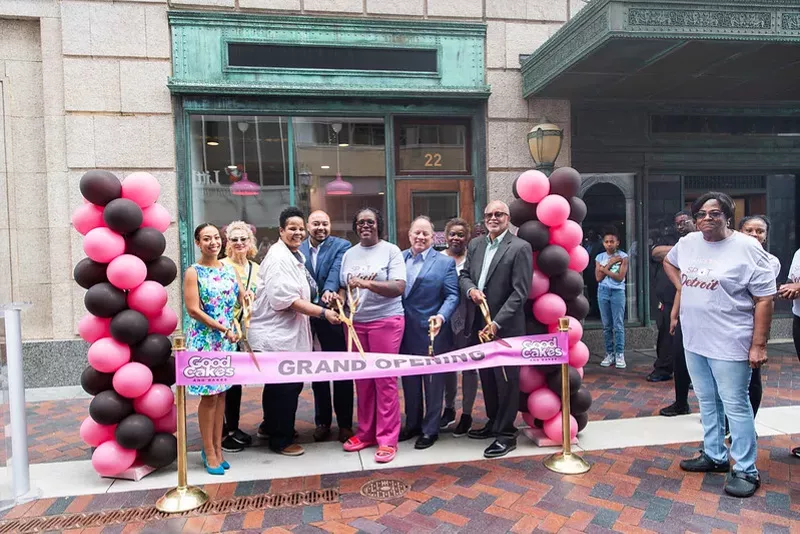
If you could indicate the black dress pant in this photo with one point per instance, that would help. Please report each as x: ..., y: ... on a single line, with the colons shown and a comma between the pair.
x: 796, y: 334
x: 501, y: 396
x: 279, y: 403
x: 331, y: 339
x: 682, y: 380
x: 233, y: 406
x: 665, y: 349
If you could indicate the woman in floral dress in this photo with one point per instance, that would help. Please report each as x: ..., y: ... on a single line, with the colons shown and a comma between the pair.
x: 211, y: 290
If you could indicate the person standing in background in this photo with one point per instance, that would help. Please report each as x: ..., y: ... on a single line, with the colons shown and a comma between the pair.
x: 791, y: 291
x: 611, y: 267
x: 323, y: 254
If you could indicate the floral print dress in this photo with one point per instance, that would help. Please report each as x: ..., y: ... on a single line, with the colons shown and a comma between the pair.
x: 219, y: 292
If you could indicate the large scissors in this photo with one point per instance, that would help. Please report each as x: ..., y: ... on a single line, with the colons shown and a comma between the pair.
x: 486, y: 337
x: 237, y: 327
x: 353, y: 300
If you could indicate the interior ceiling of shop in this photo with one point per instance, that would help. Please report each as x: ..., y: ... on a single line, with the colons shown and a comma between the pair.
x: 695, y: 70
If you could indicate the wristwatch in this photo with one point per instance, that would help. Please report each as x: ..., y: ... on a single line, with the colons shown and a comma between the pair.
x: 322, y: 313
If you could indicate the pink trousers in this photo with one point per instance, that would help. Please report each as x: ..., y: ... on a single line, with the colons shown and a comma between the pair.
x: 377, y: 399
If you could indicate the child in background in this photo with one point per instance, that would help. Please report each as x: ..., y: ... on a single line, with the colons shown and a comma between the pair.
x: 610, y: 269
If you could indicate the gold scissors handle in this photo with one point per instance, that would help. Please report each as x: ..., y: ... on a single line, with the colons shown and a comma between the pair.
x: 431, y: 334
x: 246, y: 344
x: 487, y: 337
x: 353, y: 298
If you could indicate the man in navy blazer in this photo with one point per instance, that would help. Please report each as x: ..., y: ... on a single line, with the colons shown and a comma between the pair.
x: 323, y: 254
x: 431, y: 295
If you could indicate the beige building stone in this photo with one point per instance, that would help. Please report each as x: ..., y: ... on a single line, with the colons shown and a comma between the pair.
x: 277, y: 5
x: 455, y: 8
x: 334, y: 6
x: 143, y: 86
x: 523, y: 38
x: 506, y: 101
x: 91, y: 84
x: 202, y: 3
x: 396, y: 7
x: 537, y: 10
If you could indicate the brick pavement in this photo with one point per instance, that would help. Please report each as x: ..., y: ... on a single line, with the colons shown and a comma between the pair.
x: 629, y: 490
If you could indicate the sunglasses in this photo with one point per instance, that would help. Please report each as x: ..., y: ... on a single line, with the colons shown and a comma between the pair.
x: 496, y: 215
x: 365, y: 222
x: 239, y: 239
x: 714, y: 214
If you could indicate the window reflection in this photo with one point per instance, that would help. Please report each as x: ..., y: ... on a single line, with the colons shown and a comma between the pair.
x: 434, y: 147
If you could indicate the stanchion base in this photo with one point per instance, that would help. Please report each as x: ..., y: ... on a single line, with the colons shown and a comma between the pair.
x: 7, y: 502
x: 567, y: 464
x: 179, y: 500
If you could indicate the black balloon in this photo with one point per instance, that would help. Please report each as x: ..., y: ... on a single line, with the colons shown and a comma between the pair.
x: 129, y: 327
x: 165, y: 374
x: 135, y: 431
x: 105, y: 300
x: 553, y: 260
x: 565, y: 181
x: 514, y: 187
x: 153, y: 351
x: 100, y: 187
x: 535, y: 233
x: 162, y: 270
x: 582, y: 419
x: 109, y: 407
x: 161, y: 451
x: 580, y: 401
x: 568, y: 285
x: 521, y: 212
x: 578, y: 307
x: 554, y: 381
x: 93, y: 381
x: 146, y: 243
x: 538, y: 423
x: 577, y: 210
x: 123, y: 215
x: 88, y: 273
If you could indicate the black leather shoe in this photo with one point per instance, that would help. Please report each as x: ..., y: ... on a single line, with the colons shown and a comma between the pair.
x: 500, y: 448
x: 704, y: 464
x: 423, y: 442
x: 742, y: 485
x: 322, y: 432
x: 482, y: 433
x: 796, y: 452
x: 674, y: 409
x: 658, y: 377
x: 448, y: 418
x: 464, y: 424
x: 406, y: 434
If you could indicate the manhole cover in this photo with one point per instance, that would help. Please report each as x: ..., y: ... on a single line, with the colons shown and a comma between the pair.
x: 386, y: 488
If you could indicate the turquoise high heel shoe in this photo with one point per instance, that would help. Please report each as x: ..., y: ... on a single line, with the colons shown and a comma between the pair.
x: 225, y: 465
x: 219, y: 470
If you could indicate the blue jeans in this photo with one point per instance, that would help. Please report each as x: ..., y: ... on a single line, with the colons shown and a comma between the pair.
x: 612, y: 313
x: 721, y: 389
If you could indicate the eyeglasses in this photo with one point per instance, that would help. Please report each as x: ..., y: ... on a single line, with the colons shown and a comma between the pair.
x: 239, y: 239
x: 714, y: 214
x: 497, y: 215
x: 365, y: 222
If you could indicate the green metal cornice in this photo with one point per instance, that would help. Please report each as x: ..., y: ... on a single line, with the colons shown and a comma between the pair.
x: 453, y: 93
x: 602, y: 20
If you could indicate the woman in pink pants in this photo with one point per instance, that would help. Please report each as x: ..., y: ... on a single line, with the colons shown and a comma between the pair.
x: 376, y: 269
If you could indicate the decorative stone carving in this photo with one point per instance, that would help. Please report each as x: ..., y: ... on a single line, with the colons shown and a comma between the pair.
x: 689, y: 18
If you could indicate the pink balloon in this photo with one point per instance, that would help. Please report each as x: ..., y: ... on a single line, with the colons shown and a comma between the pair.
x: 530, y: 379
x: 165, y: 323
x: 156, y: 401
x: 142, y: 188
x: 578, y: 355
x: 110, y: 459
x: 548, y: 308
x: 553, y: 210
x: 126, y: 271
x: 533, y: 186
x: 580, y: 371
x: 132, y: 380
x: 103, y: 244
x: 575, y: 330
x: 87, y: 217
x: 528, y: 418
x: 107, y: 355
x: 578, y: 259
x: 148, y: 299
x: 553, y: 428
x: 156, y: 216
x: 93, y: 433
x: 540, y: 284
x: 569, y: 235
x: 543, y: 404
x: 168, y: 423
x: 92, y: 328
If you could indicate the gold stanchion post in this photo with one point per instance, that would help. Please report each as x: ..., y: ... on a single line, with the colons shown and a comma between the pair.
x: 566, y: 462
x: 184, y: 497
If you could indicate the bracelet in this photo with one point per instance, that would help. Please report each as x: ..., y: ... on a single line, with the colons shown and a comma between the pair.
x: 322, y: 313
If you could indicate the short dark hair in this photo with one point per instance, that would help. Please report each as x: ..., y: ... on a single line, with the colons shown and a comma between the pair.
x: 378, y: 219
x: 288, y: 213
x: 687, y: 213
x: 611, y: 230
x: 726, y: 204
x: 200, y: 228
x: 749, y: 218
x: 457, y: 221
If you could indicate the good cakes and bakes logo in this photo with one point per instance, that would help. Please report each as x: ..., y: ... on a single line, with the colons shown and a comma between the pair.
x: 541, y: 349
x: 209, y: 367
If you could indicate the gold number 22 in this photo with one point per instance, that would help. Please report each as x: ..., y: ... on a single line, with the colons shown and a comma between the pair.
x: 433, y: 160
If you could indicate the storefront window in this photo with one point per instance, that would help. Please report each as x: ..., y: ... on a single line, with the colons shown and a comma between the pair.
x: 432, y: 147
x: 340, y: 168
x: 240, y: 172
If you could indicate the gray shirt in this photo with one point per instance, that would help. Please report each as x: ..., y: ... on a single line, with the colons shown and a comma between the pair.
x: 385, y: 261
x: 718, y: 282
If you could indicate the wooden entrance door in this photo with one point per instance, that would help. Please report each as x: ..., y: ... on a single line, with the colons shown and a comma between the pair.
x: 441, y: 200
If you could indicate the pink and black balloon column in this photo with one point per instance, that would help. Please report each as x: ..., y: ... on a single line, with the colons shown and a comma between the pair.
x: 549, y: 214
x: 132, y: 416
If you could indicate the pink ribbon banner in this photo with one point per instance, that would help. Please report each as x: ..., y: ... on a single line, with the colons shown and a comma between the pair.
x: 203, y: 368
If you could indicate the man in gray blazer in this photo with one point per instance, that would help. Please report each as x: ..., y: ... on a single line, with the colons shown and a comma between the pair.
x: 499, y: 269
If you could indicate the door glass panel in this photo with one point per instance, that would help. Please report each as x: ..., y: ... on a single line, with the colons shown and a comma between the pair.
x: 439, y: 207
x: 432, y: 147
x: 340, y: 165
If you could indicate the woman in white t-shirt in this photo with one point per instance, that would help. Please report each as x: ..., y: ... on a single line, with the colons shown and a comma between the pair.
x: 791, y: 291
x: 719, y: 274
